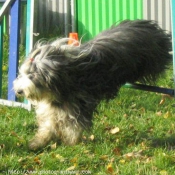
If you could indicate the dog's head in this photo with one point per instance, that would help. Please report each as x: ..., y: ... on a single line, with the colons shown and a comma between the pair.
x: 41, y: 75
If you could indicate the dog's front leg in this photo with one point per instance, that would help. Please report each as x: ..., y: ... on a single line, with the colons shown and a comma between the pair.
x: 44, y: 134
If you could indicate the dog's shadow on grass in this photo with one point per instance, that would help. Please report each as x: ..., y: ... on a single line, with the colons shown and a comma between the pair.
x: 166, y: 142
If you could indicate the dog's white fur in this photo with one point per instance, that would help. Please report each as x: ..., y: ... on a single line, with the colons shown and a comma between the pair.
x: 53, y: 122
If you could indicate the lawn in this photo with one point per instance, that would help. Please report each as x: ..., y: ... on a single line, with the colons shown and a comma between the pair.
x: 133, y: 134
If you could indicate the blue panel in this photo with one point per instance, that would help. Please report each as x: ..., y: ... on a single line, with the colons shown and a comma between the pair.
x: 1, y: 54
x: 28, y: 23
x: 14, y: 47
x: 173, y: 33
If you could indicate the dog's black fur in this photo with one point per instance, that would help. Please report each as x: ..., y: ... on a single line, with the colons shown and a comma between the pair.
x: 132, y: 51
x: 79, y: 77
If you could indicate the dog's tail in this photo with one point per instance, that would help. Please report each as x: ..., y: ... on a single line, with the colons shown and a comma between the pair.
x: 136, y: 50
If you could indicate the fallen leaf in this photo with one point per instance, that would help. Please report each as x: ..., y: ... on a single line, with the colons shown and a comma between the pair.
x: 114, y: 130
x: 20, y: 159
x: 163, y: 172
x: 53, y: 146
x: 117, y: 151
x: 164, y: 97
x: 134, y: 154
x: 162, y: 101
x: 159, y: 113
x: 167, y: 114
x: 74, y: 160
x: 122, y: 161
x: 71, y: 168
x: 37, y: 160
x: 133, y: 106
x: 125, y: 115
x: 104, y: 157
x: 110, y: 169
x: 92, y: 137
x: 59, y: 157
x: 14, y: 134
x: 84, y: 137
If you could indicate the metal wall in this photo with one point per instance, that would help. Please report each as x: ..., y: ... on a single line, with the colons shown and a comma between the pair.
x: 89, y: 17
x: 52, y: 17
x: 159, y: 10
x: 94, y: 16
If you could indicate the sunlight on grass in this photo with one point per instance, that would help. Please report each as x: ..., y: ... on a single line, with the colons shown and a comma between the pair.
x: 133, y: 134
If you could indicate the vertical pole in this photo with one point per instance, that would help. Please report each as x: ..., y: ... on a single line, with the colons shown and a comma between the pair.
x: 73, y: 16
x: 29, y: 26
x: 14, y: 47
x: 1, y: 55
x: 173, y: 35
x: 29, y: 32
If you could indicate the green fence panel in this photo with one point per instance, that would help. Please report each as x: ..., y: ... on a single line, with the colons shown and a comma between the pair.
x: 94, y: 16
x: 1, y: 54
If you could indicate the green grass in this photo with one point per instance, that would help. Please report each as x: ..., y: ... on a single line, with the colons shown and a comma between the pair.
x: 133, y: 134
x: 143, y: 143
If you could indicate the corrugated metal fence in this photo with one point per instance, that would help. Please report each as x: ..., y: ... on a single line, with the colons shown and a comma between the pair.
x: 53, y: 17
x: 96, y: 15
x: 159, y: 10
x: 89, y: 17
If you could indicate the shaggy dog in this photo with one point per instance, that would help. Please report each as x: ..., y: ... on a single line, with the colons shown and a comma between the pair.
x: 65, y: 83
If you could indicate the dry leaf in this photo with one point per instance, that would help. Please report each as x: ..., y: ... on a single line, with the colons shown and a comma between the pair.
x: 53, y: 146
x: 122, y: 161
x: 86, y: 151
x: 159, y: 113
x: 71, y: 168
x: 104, y: 157
x: 163, y: 172
x: 110, y: 169
x: 134, y: 154
x: 37, y: 160
x: 20, y: 159
x: 92, y: 137
x: 117, y: 151
x: 114, y: 130
x: 167, y: 115
x: 125, y: 115
x: 14, y: 134
x: 59, y: 157
x: 133, y: 106
x: 164, y: 97
x: 74, y: 160
x: 162, y: 101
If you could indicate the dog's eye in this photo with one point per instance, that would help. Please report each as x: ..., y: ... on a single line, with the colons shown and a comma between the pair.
x: 30, y: 76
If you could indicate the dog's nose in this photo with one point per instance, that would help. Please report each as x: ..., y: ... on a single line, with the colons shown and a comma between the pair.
x: 20, y: 92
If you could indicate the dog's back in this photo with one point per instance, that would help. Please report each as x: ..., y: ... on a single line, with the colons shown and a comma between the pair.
x: 141, y: 47
x: 132, y: 51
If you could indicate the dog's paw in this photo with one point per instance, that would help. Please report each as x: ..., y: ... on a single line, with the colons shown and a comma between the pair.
x: 35, y: 144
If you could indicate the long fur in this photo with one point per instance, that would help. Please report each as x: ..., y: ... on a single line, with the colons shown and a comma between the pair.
x: 65, y: 83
